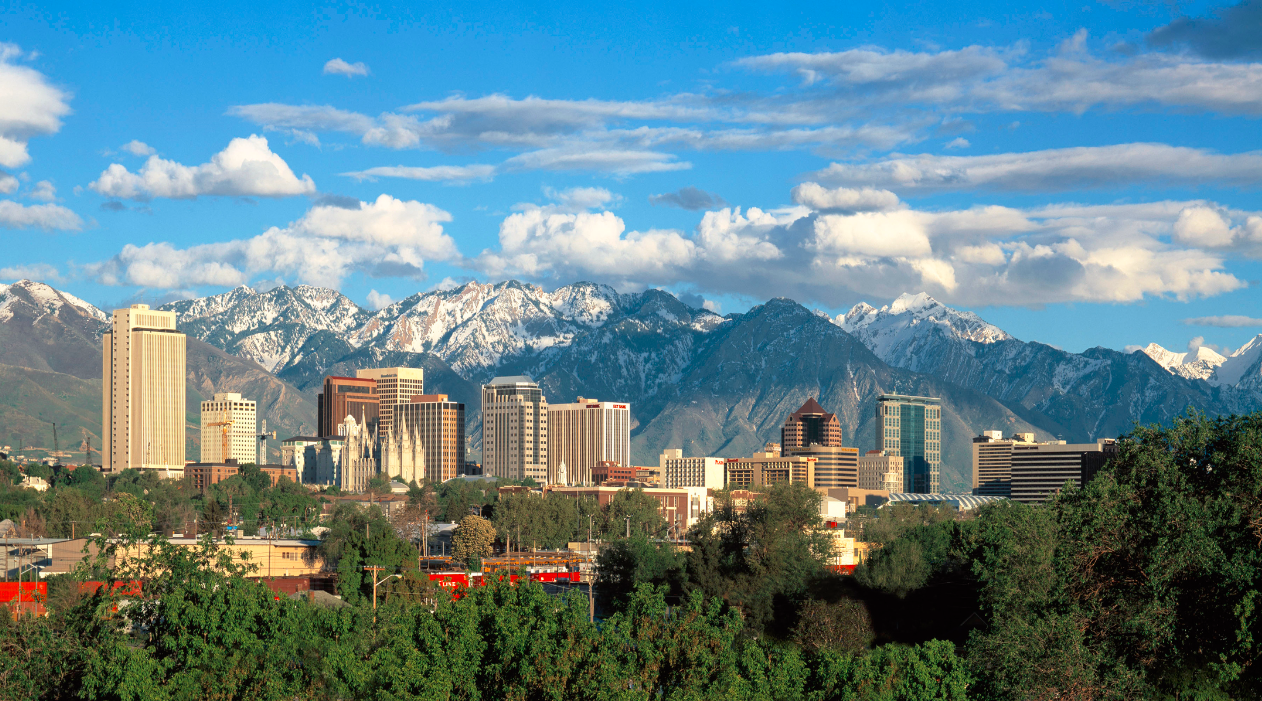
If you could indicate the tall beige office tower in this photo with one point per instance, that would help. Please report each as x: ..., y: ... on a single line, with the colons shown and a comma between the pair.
x: 584, y: 433
x: 394, y: 386
x: 514, y: 429
x: 142, y: 403
x: 229, y: 413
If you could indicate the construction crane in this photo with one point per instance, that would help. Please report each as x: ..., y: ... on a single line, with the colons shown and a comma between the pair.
x: 56, y: 447
x: 86, y: 446
x: 226, y: 425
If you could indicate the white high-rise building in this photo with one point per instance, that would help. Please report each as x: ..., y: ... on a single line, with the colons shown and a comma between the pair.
x: 584, y: 433
x: 142, y: 397
x: 514, y: 429
x: 394, y: 386
x: 238, y: 416
x: 678, y: 471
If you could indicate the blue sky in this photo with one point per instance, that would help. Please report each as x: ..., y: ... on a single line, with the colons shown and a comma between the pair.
x: 1078, y: 174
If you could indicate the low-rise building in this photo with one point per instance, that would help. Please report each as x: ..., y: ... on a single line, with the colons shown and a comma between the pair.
x: 768, y: 468
x: 878, y: 470
x: 270, y: 557
x: 276, y: 472
x: 680, y: 507
x: 835, y: 465
x: 679, y: 471
x: 204, y: 474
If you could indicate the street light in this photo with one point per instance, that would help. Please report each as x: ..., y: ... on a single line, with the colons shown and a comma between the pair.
x: 375, y: 582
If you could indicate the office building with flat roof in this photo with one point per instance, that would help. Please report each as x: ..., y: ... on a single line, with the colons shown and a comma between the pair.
x: 911, y: 428
x: 1040, y: 470
x: 835, y: 466
x: 585, y: 433
x: 428, y: 438
x: 514, y: 429
x: 347, y: 396
x: 880, y: 472
x: 142, y: 392
x: 394, y: 386
x: 229, y: 420
x: 810, y: 424
x: 768, y: 468
x: 678, y: 471
x: 992, y: 462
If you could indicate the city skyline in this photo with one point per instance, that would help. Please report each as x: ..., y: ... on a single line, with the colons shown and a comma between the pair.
x: 996, y: 180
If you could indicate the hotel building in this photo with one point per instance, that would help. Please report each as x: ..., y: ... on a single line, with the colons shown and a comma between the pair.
x: 678, y: 471
x: 143, y: 397
x: 810, y: 424
x: 585, y: 433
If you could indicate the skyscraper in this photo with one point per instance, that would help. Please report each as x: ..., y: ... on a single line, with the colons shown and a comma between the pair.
x: 514, y: 429
x: 810, y: 424
x: 229, y: 413
x: 394, y: 386
x: 347, y: 396
x: 142, y: 402
x: 584, y: 433
x: 911, y: 428
x: 431, y: 426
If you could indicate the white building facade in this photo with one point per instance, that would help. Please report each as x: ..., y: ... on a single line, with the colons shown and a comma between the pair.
x: 394, y: 386
x: 880, y: 471
x: 679, y: 472
x: 585, y: 433
x: 143, y: 396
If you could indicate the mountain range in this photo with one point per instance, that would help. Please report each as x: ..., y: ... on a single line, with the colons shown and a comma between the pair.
x: 710, y: 384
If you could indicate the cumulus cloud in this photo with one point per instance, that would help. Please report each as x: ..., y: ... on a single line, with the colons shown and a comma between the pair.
x: 378, y: 301
x: 31, y: 106
x: 689, y: 198
x: 8, y: 183
x: 827, y: 250
x: 337, y: 66
x: 138, y: 148
x: 1053, y: 169
x: 865, y: 199
x: 35, y: 271
x: 457, y: 174
x: 44, y: 191
x: 958, y: 142
x: 1230, y: 321
x: 1230, y: 32
x: 40, y: 216
x: 247, y: 167
x: 384, y: 238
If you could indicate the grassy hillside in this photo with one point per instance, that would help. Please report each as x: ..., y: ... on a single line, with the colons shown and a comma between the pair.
x: 30, y: 400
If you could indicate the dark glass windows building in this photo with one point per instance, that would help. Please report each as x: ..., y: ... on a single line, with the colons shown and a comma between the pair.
x: 911, y: 428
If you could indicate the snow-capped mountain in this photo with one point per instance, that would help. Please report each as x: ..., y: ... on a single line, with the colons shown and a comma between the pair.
x: 906, y: 330
x: 1194, y: 365
x: 1243, y: 369
x: 47, y: 329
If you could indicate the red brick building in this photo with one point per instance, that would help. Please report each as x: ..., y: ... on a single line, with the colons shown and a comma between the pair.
x: 810, y: 424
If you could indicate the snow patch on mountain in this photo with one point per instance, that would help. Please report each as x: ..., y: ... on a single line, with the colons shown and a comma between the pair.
x: 44, y: 298
x: 906, y: 325
x: 1243, y: 367
x: 1197, y: 364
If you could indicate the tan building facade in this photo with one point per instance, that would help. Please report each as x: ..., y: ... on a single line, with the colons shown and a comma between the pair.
x: 514, y: 429
x: 394, y: 386
x: 237, y: 416
x: 432, y: 427
x: 880, y: 471
x: 835, y: 466
x: 766, y: 469
x: 143, y: 395
x: 678, y: 471
x: 585, y: 433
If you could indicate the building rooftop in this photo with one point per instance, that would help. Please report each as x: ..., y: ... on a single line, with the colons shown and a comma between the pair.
x: 511, y: 380
x: 963, y: 502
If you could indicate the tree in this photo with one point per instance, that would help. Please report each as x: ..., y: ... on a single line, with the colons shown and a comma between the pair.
x: 629, y: 562
x: 845, y: 626
x: 472, y: 541
x: 642, y: 510
x: 362, y: 536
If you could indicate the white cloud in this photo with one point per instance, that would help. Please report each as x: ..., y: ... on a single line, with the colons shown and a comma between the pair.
x: 865, y: 199
x: 616, y: 161
x: 247, y: 167
x: 138, y: 148
x: 1230, y: 321
x: 31, y: 107
x: 337, y: 66
x: 429, y: 174
x: 1053, y: 169
x: 385, y: 238
x: 44, y: 191
x: 378, y: 301
x: 581, y: 199
x: 37, y: 271
x: 39, y: 216
x: 958, y: 142
x: 8, y: 183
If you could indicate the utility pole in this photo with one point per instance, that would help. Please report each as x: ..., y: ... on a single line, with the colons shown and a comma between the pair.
x: 374, y: 569
x: 628, y: 518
